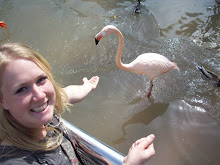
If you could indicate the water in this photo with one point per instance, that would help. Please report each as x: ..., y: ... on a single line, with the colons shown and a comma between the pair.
x: 184, y: 112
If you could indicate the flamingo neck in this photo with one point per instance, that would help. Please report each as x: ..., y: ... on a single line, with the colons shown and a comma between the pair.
x: 119, y: 51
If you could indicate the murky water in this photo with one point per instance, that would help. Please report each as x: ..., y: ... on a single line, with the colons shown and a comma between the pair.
x: 185, y: 110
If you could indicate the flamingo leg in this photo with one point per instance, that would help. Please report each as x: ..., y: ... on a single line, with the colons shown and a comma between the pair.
x: 150, y: 89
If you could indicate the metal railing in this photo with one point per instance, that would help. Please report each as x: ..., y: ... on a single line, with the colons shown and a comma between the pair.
x: 91, y: 150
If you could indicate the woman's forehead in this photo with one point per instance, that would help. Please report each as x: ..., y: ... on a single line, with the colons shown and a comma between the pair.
x: 20, y: 69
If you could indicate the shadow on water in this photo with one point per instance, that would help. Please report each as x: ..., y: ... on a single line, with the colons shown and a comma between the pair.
x: 143, y: 117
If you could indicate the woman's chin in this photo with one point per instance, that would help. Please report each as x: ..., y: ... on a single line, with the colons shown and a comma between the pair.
x: 47, y: 118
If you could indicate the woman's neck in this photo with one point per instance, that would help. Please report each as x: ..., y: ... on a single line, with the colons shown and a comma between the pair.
x: 42, y: 135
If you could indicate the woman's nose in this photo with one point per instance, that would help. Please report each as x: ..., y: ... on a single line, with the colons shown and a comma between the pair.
x: 37, y: 93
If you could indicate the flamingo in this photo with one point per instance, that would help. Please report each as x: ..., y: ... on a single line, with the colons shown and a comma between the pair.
x: 2, y: 24
x: 150, y: 64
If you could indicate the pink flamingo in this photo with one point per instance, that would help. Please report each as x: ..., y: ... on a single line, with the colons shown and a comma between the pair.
x: 2, y: 24
x: 150, y: 64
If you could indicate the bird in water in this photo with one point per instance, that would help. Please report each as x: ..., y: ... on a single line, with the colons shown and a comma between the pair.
x: 138, y: 7
x: 209, y: 75
x: 2, y: 24
x: 150, y: 64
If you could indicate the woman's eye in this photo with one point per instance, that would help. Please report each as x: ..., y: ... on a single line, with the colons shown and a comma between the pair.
x: 42, y: 79
x: 20, y: 90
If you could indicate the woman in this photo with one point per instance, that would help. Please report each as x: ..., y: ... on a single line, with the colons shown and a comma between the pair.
x: 31, y: 104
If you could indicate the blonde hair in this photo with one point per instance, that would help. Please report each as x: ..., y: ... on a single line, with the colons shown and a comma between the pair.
x: 13, y: 132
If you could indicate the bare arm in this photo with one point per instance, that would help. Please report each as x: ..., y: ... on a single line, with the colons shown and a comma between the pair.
x: 140, y: 152
x: 77, y: 93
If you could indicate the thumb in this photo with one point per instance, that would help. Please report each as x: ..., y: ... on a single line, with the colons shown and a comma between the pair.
x: 85, y: 79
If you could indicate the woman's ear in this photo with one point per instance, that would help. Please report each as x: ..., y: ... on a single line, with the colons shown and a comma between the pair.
x: 3, y: 104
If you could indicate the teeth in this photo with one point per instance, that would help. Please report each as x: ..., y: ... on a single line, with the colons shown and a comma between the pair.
x: 39, y: 109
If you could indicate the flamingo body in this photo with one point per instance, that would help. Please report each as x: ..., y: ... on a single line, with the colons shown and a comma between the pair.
x: 150, y: 64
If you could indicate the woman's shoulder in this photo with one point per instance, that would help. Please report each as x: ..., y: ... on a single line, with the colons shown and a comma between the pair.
x: 12, y: 155
x: 4, y: 147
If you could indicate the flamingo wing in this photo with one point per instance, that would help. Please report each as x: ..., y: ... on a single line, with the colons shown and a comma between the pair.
x: 151, y: 64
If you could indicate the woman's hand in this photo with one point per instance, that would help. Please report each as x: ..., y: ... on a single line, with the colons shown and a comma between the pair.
x: 141, y: 151
x: 77, y: 93
x: 93, y: 82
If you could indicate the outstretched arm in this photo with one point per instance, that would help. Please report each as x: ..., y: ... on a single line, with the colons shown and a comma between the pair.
x: 77, y: 93
x: 140, y: 152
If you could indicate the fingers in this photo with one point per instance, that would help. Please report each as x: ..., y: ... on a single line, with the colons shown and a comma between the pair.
x: 146, y: 142
x: 94, y: 80
x: 140, y: 140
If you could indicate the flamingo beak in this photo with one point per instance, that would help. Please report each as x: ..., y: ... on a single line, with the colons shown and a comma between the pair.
x: 96, y: 41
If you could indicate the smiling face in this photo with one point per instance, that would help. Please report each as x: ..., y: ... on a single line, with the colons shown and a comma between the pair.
x: 27, y: 93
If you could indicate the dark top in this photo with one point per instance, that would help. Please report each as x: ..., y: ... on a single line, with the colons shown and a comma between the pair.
x: 63, y: 155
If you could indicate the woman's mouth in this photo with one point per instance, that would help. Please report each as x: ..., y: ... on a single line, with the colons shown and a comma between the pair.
x: 40, y: 109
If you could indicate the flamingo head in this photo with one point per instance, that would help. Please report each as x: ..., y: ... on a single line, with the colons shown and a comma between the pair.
x: 107, y: 30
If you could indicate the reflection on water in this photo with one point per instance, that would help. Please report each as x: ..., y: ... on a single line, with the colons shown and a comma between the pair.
x: 205, y: 35
x: 184, y: 111
x: 197, y: 20
x: 187, y: 135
